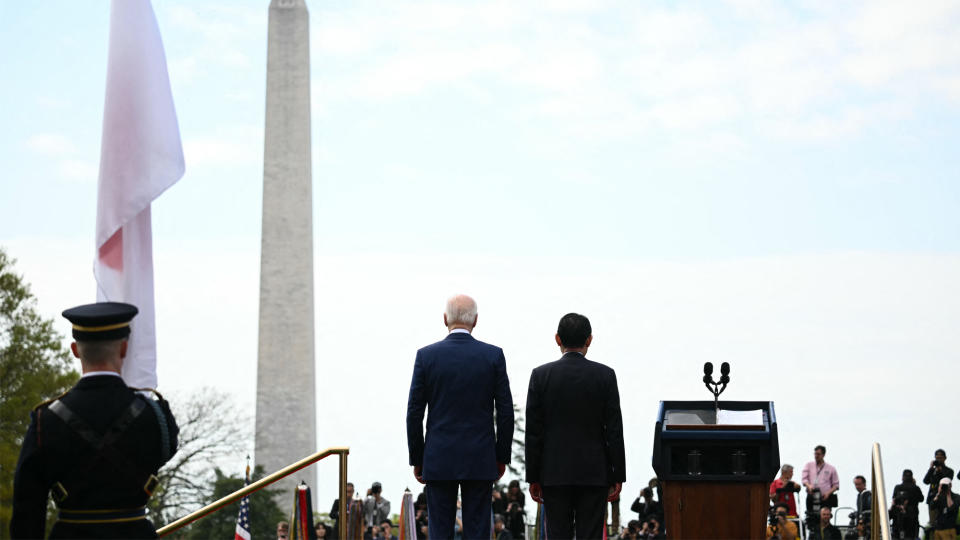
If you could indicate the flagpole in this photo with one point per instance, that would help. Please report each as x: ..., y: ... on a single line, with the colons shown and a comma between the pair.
x: 342, y: 451
x: 343, y: 496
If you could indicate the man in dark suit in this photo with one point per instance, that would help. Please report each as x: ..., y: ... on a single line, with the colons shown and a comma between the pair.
x: 96, y: 448
x: 464, y: 382
x: 574, y: 439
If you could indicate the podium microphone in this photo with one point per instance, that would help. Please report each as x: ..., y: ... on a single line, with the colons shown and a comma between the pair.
x: 716, y: 387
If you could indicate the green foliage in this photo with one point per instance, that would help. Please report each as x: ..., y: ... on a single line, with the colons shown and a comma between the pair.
x: 34, y: 366
x: 518, y: 459
x: 264, y: 512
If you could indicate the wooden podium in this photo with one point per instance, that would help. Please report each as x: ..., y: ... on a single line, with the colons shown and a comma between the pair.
x: 716, y: 476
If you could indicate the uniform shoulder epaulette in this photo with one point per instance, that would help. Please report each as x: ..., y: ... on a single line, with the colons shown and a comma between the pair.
x: 151, y: 390
x: 48, y: 402
x: 156, y: 405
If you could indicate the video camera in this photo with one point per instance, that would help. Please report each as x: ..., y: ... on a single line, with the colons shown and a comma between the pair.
x: 813, y: 509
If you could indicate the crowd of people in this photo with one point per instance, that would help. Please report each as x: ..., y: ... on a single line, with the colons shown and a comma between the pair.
x: 820, y: 481
x: 507, y: 503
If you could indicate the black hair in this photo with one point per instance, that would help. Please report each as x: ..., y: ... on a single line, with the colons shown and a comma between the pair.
x: 821, y: 448
x: 574, y: 329
x: 860, y: 476
x: 907, y: 471
x: 941, y: 451
x: 783, y: 504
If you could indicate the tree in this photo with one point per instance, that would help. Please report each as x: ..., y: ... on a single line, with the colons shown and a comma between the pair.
x: 34, y: 366
x: 212, y: 429
x: 264, y: 512
x: 518, y: 463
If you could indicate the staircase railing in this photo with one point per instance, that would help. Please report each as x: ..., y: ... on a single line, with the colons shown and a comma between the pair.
x: 341, y: 451
x: 880, y: 519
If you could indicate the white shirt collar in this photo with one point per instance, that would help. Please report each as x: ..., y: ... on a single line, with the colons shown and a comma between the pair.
x: 96, y: 373
x: 459, y: 331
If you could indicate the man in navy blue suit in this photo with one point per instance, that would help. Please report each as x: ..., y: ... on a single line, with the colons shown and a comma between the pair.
x: 464, y: 382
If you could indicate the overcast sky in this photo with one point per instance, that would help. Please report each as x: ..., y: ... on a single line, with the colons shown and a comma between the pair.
x: 773, y: 186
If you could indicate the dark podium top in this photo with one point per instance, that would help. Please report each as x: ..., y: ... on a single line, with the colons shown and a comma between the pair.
x: 689, y: 444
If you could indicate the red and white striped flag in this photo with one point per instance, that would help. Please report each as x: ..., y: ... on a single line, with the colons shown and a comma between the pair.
x: 242, y: 531
x: 140, y: 157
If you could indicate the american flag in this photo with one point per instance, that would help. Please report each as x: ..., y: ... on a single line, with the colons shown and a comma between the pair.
x: 243, y: 518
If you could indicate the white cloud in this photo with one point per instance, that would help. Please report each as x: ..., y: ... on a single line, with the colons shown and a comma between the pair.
x: 837, y: 125
x: 893, y: 40
x: 685, y: 68
x: 50, y: 144
x: 236, y: 145
x: 79, y: 170
x: 64, y: 154
x: 52, y: 102
x: 696, y: 112
x: 220, y: 34
x: 182, y: 70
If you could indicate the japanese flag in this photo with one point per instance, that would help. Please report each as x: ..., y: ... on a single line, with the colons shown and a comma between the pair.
x: 140, y: 157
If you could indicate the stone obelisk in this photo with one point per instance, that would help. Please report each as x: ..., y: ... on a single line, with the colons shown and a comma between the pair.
x: 286, y: 405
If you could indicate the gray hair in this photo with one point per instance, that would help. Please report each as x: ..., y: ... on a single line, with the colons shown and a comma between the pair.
x: 461, y: 309
x: 786, y: 468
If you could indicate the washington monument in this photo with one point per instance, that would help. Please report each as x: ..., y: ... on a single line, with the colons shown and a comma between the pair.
x: 286, y: 405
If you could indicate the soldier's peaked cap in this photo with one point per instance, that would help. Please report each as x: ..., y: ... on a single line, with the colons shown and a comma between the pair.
x: 101, y: 321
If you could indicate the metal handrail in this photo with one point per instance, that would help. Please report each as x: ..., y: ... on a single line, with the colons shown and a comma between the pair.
x: 341, y: 451
x: 880, y: 522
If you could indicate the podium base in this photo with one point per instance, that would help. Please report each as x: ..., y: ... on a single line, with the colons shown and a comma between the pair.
x: 734, y: 510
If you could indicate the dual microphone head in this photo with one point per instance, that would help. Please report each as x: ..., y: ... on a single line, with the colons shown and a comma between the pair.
x: 708, y: 377
x: 708, y: 371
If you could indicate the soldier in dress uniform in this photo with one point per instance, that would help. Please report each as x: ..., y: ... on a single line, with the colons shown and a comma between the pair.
x: 97, y: 448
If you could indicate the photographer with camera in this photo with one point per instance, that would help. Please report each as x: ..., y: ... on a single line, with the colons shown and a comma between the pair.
x: 386, y: 530
x: 780, y: 528
x: 514, y: 514
x: 782, y: 490
x: 376, y: 509
x: 858, y: 531
x: 650, y: 529
x: 821, y: 480
x: 908, y: 513
x: 944, y: 507
x: 648, y: 506
x: 899, y: 518
x: 937, y: 471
